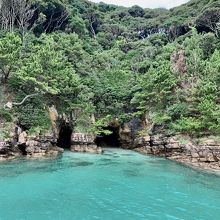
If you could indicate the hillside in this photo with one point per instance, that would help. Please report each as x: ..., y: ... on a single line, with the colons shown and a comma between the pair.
x: 96, y: 63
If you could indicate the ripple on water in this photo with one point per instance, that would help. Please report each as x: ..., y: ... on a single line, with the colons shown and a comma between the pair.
x: 132, y: 173
x: 83, y: 164
x: 135, y: 163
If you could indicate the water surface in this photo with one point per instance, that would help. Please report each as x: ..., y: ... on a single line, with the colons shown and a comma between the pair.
x: 119, y: 185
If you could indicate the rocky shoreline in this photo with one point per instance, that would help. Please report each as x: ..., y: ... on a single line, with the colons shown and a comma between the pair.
x: 32, y: 148
x: 199, y: 153
x: 45, y: 146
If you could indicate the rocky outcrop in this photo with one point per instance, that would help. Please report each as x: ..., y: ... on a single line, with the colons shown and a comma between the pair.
x: 128, y: 132
x: 8, y: 152
x: 172, y: 32
x: 178, y: 61
x: 158, y: 145
x: 84, y: 143
x: 29, y: 147
x: 197, y: 152
x: 22, y: 138
x: 200, y: 153
x: 41, y: 146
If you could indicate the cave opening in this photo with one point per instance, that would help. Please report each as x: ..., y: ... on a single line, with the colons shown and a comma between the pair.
x: 22, y: 148
x: 111, y: 140
x: 64, y: 140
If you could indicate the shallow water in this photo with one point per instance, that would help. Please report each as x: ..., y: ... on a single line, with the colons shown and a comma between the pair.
x: 119, y: 185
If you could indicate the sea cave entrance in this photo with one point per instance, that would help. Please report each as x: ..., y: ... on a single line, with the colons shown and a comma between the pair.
x: 64, y: 140
x: 111, y: 140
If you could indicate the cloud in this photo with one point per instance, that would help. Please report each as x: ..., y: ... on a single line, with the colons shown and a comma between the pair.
x: 145, y: 3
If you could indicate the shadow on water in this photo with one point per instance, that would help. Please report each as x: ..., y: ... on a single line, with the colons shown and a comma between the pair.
x: 25, y: 166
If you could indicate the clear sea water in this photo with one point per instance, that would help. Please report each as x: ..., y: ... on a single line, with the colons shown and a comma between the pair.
x: 119, y: 185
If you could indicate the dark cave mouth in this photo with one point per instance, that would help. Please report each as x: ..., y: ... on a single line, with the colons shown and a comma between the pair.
x: 64, y: 140
x: 112, y: 140
x: 22, y: 148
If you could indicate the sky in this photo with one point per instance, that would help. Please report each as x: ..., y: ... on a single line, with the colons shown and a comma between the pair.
x: 145, y: 3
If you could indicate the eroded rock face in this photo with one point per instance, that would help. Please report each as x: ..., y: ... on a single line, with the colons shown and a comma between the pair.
x: 83, y: 138
x: 29, y: 147
x: 179, y: 62
x: 84, y: 143
x: 8, y: 152
x: 22, y: 138
x: 204, y: 154
x: 128, y: 133
x: 42, y: 146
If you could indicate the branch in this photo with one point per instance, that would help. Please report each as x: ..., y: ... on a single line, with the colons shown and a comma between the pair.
x: 63, y: 17
x: 92, y: 29
x: 27, y: 97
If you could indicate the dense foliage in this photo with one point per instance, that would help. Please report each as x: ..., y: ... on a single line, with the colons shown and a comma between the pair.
x: 104, y: 62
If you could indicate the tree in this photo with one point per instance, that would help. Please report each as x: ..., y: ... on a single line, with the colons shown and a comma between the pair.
x: 111, y: 82
x: 24, y: 14
x: 158, y: 86
x: 136, y: 11
x: 8, y: 12
x: 210, y: 18
x: 19, y: 14
x: 10, y: 52
x: 93, y: 18
x: 48, y: 70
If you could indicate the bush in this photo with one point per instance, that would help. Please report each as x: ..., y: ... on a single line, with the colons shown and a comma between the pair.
x: 5, y: 115
x: 187, y: 125
x: 178, y: 110
x: 31, y: 116
x: 160, y: 119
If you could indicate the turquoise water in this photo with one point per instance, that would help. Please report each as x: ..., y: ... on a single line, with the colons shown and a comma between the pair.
x: 119, y: 185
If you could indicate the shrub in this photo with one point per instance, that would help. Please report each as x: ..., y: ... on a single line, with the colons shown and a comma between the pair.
x: 32, y: 116
x: 177, y: 110
x: 5, y: 115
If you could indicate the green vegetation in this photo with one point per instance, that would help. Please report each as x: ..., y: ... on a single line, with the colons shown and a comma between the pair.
x: 5, y: 115
x: 111, y: 63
